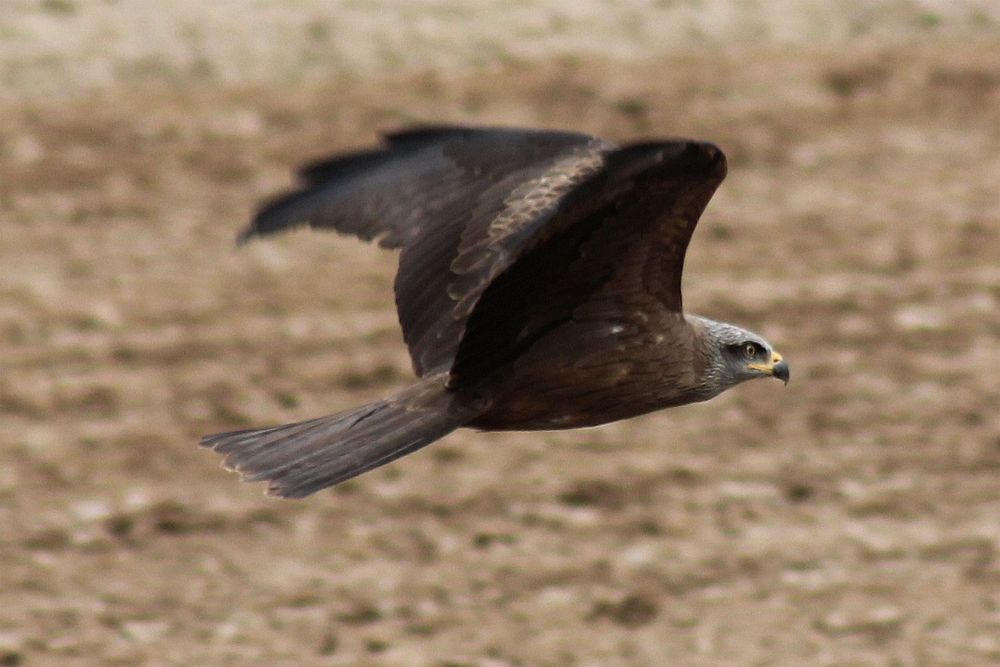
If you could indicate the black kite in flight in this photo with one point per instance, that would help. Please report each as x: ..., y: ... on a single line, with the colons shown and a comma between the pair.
x: 539, y: 287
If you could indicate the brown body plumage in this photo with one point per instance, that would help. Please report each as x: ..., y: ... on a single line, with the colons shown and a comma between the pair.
x: 538, y: 288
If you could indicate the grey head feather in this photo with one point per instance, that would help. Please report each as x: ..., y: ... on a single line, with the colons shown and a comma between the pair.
x: 725, y: 354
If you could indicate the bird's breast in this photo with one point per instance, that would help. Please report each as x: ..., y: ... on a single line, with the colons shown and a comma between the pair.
x: 586, y: 375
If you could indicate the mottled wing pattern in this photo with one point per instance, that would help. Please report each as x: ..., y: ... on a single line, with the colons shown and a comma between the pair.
x: 448, y: 196
x: 511, y: 216
x: 612, y: 252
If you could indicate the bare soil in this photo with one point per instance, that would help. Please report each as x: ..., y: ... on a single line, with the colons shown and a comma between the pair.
x: 852, y: 518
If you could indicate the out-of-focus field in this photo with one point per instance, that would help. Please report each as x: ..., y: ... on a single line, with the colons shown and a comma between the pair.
x: 852, y: 518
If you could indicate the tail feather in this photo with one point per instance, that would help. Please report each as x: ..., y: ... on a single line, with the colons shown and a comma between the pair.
x: 301, y: 458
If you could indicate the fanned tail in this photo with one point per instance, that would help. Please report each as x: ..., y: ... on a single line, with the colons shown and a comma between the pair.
x: 302, y: 458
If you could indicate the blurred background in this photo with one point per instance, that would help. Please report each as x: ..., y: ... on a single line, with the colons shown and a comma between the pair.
x: 850, y: 518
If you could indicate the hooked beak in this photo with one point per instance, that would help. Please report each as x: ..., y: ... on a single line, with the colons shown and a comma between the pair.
x: 778, y: 368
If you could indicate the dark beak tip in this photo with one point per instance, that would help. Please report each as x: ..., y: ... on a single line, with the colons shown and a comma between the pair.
x: 782, y: 372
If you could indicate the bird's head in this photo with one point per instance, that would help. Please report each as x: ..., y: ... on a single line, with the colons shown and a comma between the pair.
x: 735, y: 355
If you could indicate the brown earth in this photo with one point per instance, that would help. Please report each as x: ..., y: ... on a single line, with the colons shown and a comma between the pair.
x: 852, y: 518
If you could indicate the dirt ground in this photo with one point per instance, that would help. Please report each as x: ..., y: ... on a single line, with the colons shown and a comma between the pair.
x: 852, y: 518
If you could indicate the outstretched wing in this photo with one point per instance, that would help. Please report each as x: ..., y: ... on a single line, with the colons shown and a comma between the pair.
x: 612, y: 251
x: 396, y: 191
x: 457, y: 200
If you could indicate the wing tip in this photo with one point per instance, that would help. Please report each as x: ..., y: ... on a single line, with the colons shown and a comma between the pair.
x: 682, y: 154
x: 702, y: 157
x: 283, y: 212
x: 245, y: 236
x: 715, y: 157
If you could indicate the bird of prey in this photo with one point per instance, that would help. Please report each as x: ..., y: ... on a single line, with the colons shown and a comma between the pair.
x: 539, y: 287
